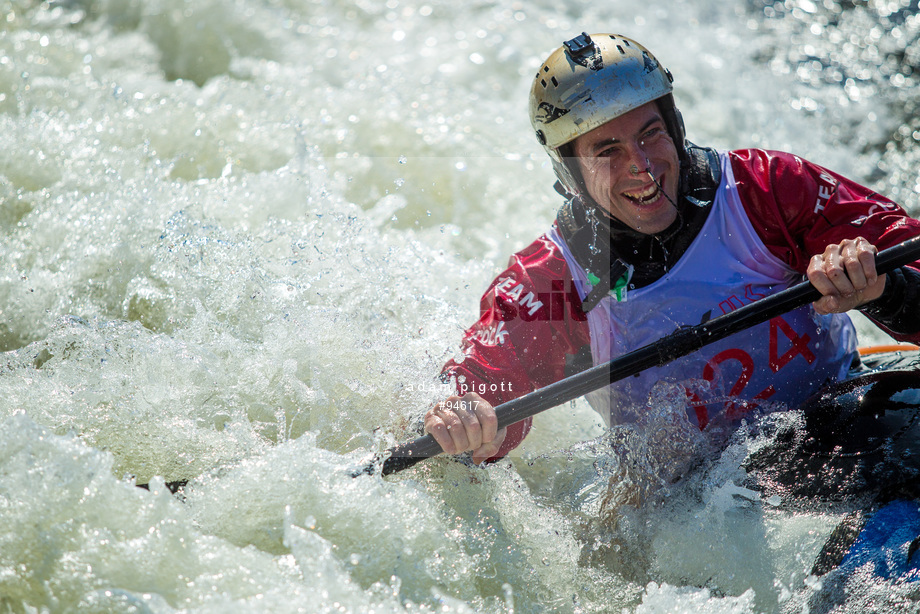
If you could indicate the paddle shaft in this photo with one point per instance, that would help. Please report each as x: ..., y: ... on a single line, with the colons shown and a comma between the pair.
x: 682, y: 342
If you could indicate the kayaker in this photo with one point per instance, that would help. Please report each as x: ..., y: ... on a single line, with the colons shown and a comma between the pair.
x: 657, y: 233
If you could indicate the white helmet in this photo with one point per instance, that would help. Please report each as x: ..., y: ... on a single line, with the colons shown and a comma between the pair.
x: 589, y: 81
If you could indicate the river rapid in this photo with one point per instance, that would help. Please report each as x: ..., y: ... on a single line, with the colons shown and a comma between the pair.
x: 239, y: 239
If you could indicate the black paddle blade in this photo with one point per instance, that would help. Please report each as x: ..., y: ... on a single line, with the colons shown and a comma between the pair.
x: 402, y: 457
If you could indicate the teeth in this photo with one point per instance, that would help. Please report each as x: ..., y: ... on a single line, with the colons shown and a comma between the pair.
x: 644, y: 195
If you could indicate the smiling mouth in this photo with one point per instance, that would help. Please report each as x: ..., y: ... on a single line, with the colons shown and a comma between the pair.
x: 645, y: 197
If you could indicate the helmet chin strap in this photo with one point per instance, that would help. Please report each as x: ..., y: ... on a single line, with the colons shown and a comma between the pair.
x: 680, y: 218
x: 648, y: 171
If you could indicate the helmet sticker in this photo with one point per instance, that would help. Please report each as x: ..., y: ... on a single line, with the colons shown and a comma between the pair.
x: 547, y: 113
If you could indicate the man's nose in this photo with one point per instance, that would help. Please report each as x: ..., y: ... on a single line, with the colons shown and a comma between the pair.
x: 637, y: 159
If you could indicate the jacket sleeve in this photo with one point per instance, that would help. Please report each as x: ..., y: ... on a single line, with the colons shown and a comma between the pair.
x: 799, y: 208
x: 531, y: 321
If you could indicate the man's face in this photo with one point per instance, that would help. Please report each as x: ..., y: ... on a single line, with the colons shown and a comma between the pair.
x: 615, y: 159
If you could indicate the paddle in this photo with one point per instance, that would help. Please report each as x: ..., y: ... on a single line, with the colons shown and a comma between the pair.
x: 663, y: 351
